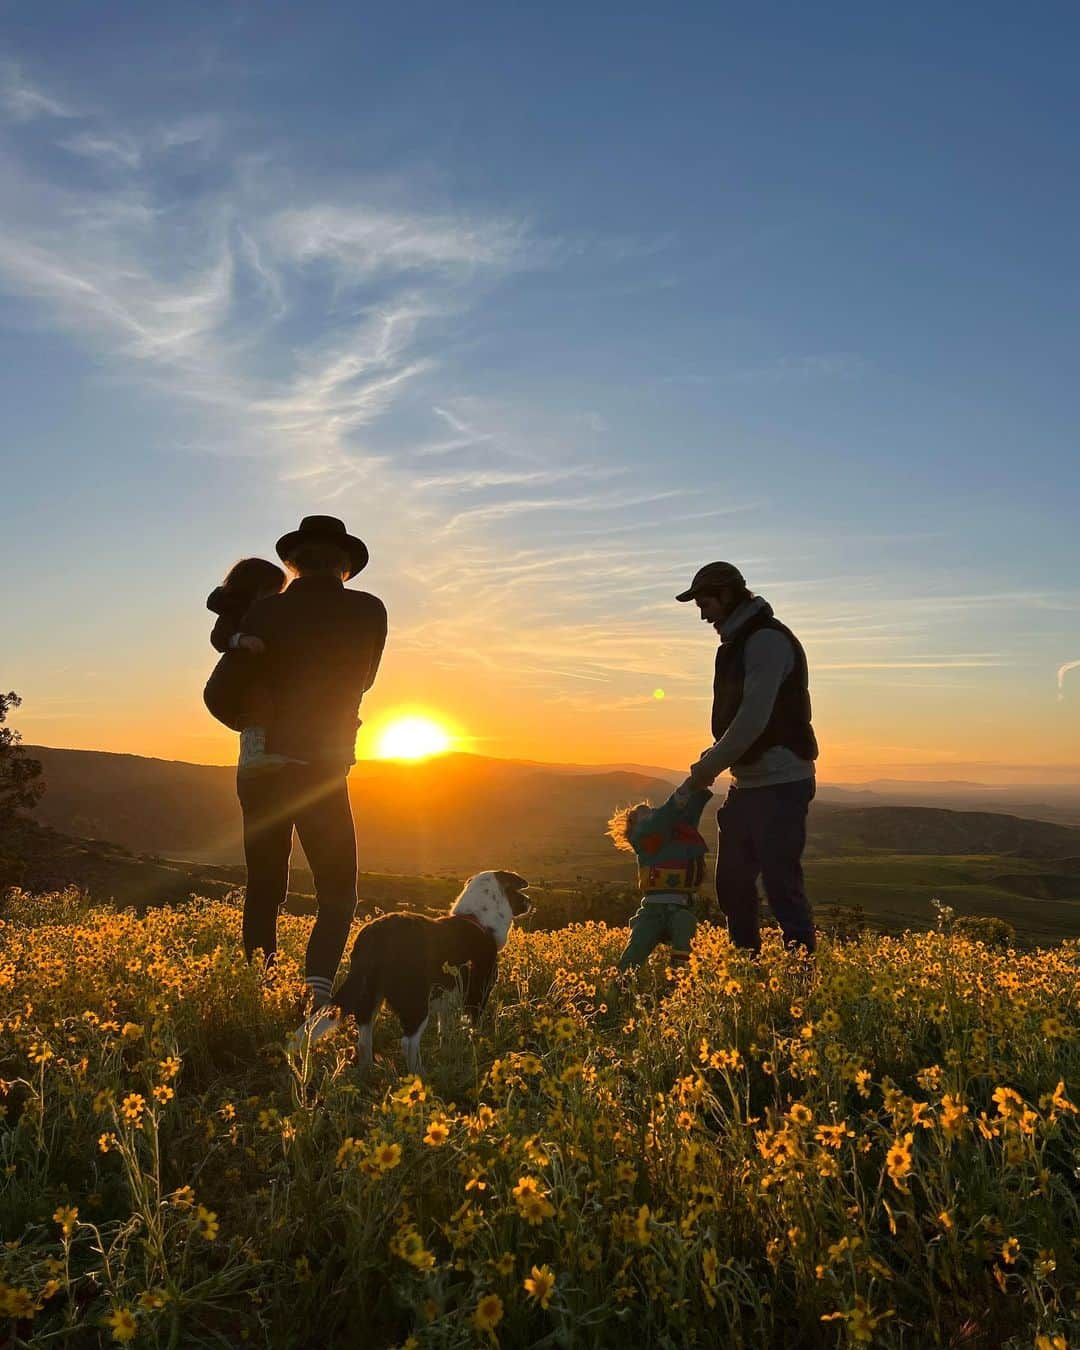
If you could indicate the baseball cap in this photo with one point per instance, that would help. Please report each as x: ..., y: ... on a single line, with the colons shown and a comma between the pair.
x: 712, y: 575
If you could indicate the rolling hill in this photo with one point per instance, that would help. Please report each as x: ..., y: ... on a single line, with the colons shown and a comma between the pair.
x: 458, y: 813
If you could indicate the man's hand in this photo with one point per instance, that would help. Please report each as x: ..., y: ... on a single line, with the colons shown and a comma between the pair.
x: 245, y: 642
x: 702, y: 773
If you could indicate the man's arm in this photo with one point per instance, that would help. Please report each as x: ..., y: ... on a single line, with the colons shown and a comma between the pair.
x: 378, y: 641
x: 769, y: 661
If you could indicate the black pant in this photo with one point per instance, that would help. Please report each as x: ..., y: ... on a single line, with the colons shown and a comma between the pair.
x: 316, y: 800
x: 763, y: 833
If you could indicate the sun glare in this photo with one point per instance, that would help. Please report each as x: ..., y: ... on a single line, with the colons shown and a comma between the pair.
x: 413, y: 738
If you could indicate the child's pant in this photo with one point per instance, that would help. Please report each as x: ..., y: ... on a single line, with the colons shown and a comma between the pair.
x: 658, y: 922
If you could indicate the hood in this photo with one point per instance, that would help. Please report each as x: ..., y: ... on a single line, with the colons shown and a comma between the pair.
x: 749, y: 609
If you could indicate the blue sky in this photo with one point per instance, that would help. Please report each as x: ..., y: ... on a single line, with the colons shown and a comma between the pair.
x: 552, y: 306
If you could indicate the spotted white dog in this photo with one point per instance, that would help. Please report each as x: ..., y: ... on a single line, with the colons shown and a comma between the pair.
x: 405, y: 959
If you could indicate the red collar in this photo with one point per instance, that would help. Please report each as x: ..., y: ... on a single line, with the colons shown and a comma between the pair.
x: 471, y: 918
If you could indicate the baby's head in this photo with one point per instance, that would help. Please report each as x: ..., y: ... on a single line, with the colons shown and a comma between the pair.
x: 622, y: 822
x: 254, y: 578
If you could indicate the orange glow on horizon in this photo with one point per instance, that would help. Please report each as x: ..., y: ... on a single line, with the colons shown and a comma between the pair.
x: 413, y: 736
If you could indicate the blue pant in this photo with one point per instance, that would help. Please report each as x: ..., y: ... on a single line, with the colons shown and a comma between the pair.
x: 763, y: 833
x: 656, y: 923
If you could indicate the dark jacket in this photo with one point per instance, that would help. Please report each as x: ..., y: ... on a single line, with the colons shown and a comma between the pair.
x: 789, y: 725
x: 323, y: 647
x: 230, y: 609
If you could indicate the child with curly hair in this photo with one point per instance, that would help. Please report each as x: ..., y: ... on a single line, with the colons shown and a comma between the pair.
x: 246, y: 706
x: 671, y: 867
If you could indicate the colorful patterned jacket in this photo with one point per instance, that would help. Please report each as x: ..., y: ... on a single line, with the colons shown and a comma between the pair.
x: 670, y: 850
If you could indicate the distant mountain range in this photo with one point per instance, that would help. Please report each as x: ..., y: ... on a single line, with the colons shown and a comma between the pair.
x: 458, y: 813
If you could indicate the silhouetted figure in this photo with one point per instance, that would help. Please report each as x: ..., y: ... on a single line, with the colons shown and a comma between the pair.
x: 321, y: 650
x: 248, y: 580
x: 671, y: 867
x: 762, y: 730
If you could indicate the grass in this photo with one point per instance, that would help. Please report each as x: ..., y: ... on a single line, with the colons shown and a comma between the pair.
x: 878, y: 1149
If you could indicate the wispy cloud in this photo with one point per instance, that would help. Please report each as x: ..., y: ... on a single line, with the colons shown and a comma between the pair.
x: 23, y: 100
x: 1062, y: 672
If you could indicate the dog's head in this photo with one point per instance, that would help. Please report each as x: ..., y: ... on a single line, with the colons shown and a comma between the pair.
x: 495, y: 900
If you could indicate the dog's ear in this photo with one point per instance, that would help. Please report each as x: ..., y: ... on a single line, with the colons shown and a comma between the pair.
x: 514, y: 887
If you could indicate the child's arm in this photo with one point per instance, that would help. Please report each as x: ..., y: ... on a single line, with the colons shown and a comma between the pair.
x: 663, y: 819
x: 226, y: 637
x: 223, y: 632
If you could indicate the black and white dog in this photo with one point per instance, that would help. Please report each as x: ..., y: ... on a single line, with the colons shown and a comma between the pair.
x: 405, y: 959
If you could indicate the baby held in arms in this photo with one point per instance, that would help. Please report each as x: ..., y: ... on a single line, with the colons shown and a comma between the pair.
x: 248, y: 580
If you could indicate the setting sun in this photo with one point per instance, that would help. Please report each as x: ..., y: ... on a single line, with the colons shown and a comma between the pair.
x: 413, y: 738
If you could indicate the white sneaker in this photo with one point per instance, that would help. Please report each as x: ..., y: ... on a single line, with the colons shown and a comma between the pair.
x: 319, y: 1025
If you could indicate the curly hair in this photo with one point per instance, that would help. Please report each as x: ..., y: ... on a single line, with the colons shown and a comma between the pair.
x: 619, y: 825
x: 253, y: 576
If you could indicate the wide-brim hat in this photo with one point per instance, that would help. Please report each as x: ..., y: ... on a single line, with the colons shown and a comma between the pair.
x: 711, y: 577
x: 325, y: 530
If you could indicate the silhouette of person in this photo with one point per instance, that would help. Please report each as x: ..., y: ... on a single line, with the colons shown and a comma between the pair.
x: 763, y: 734
x: 316, y: 652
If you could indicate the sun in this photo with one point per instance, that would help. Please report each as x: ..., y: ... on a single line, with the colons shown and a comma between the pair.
x: 413, y: 738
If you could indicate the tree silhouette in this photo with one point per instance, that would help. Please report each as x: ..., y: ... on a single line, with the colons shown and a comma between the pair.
x: 20, y: 777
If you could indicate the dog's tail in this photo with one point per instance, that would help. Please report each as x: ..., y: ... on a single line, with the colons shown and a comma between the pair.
x: 361, y: 993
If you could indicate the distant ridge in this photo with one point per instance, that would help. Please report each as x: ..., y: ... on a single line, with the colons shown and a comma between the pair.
x: 460, y: 812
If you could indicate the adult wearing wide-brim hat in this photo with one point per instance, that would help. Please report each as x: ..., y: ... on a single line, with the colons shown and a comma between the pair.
x: 322, y: 644
x: 327, y: 531
x: 762, y: 733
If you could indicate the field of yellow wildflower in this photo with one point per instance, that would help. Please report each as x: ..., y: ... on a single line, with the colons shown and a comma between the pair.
x: 881, y: 1150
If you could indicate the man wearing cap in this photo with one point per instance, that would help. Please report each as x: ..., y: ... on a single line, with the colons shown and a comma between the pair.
x: 321, y: 650
x: 762, y: 733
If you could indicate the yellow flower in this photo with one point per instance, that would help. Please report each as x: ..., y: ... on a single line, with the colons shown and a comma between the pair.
x: 412, y: 1093
x: 1054, y: 1342
x: 540, y: 1285
x: 438, y: 1132
x: 131, y: 1031
x: 503, y: 1265
x: 163, y: 1093
x: 799, y: 1114
x: 132, y: 1107
x: 16, y: 1303
x: 488, y: 1314
x: 1008, y: 1102
x: 1010, y: 1250
x: 534, y: 1207
x: 122, y: 1322
x: 409, y: 1245
x: 386, y: 1157
x: 589, y: 1256
x: 898, y: 1160
x: 208, y: 1223
x: 65, y: 1216
x: 152, y: 1300
x: 641, y: 1227
x: 348, y: 1147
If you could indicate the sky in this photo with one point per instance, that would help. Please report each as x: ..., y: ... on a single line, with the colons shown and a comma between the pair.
x: 552, y: 304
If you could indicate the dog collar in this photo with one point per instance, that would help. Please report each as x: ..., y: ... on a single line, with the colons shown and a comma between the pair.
x: 471, y: 918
